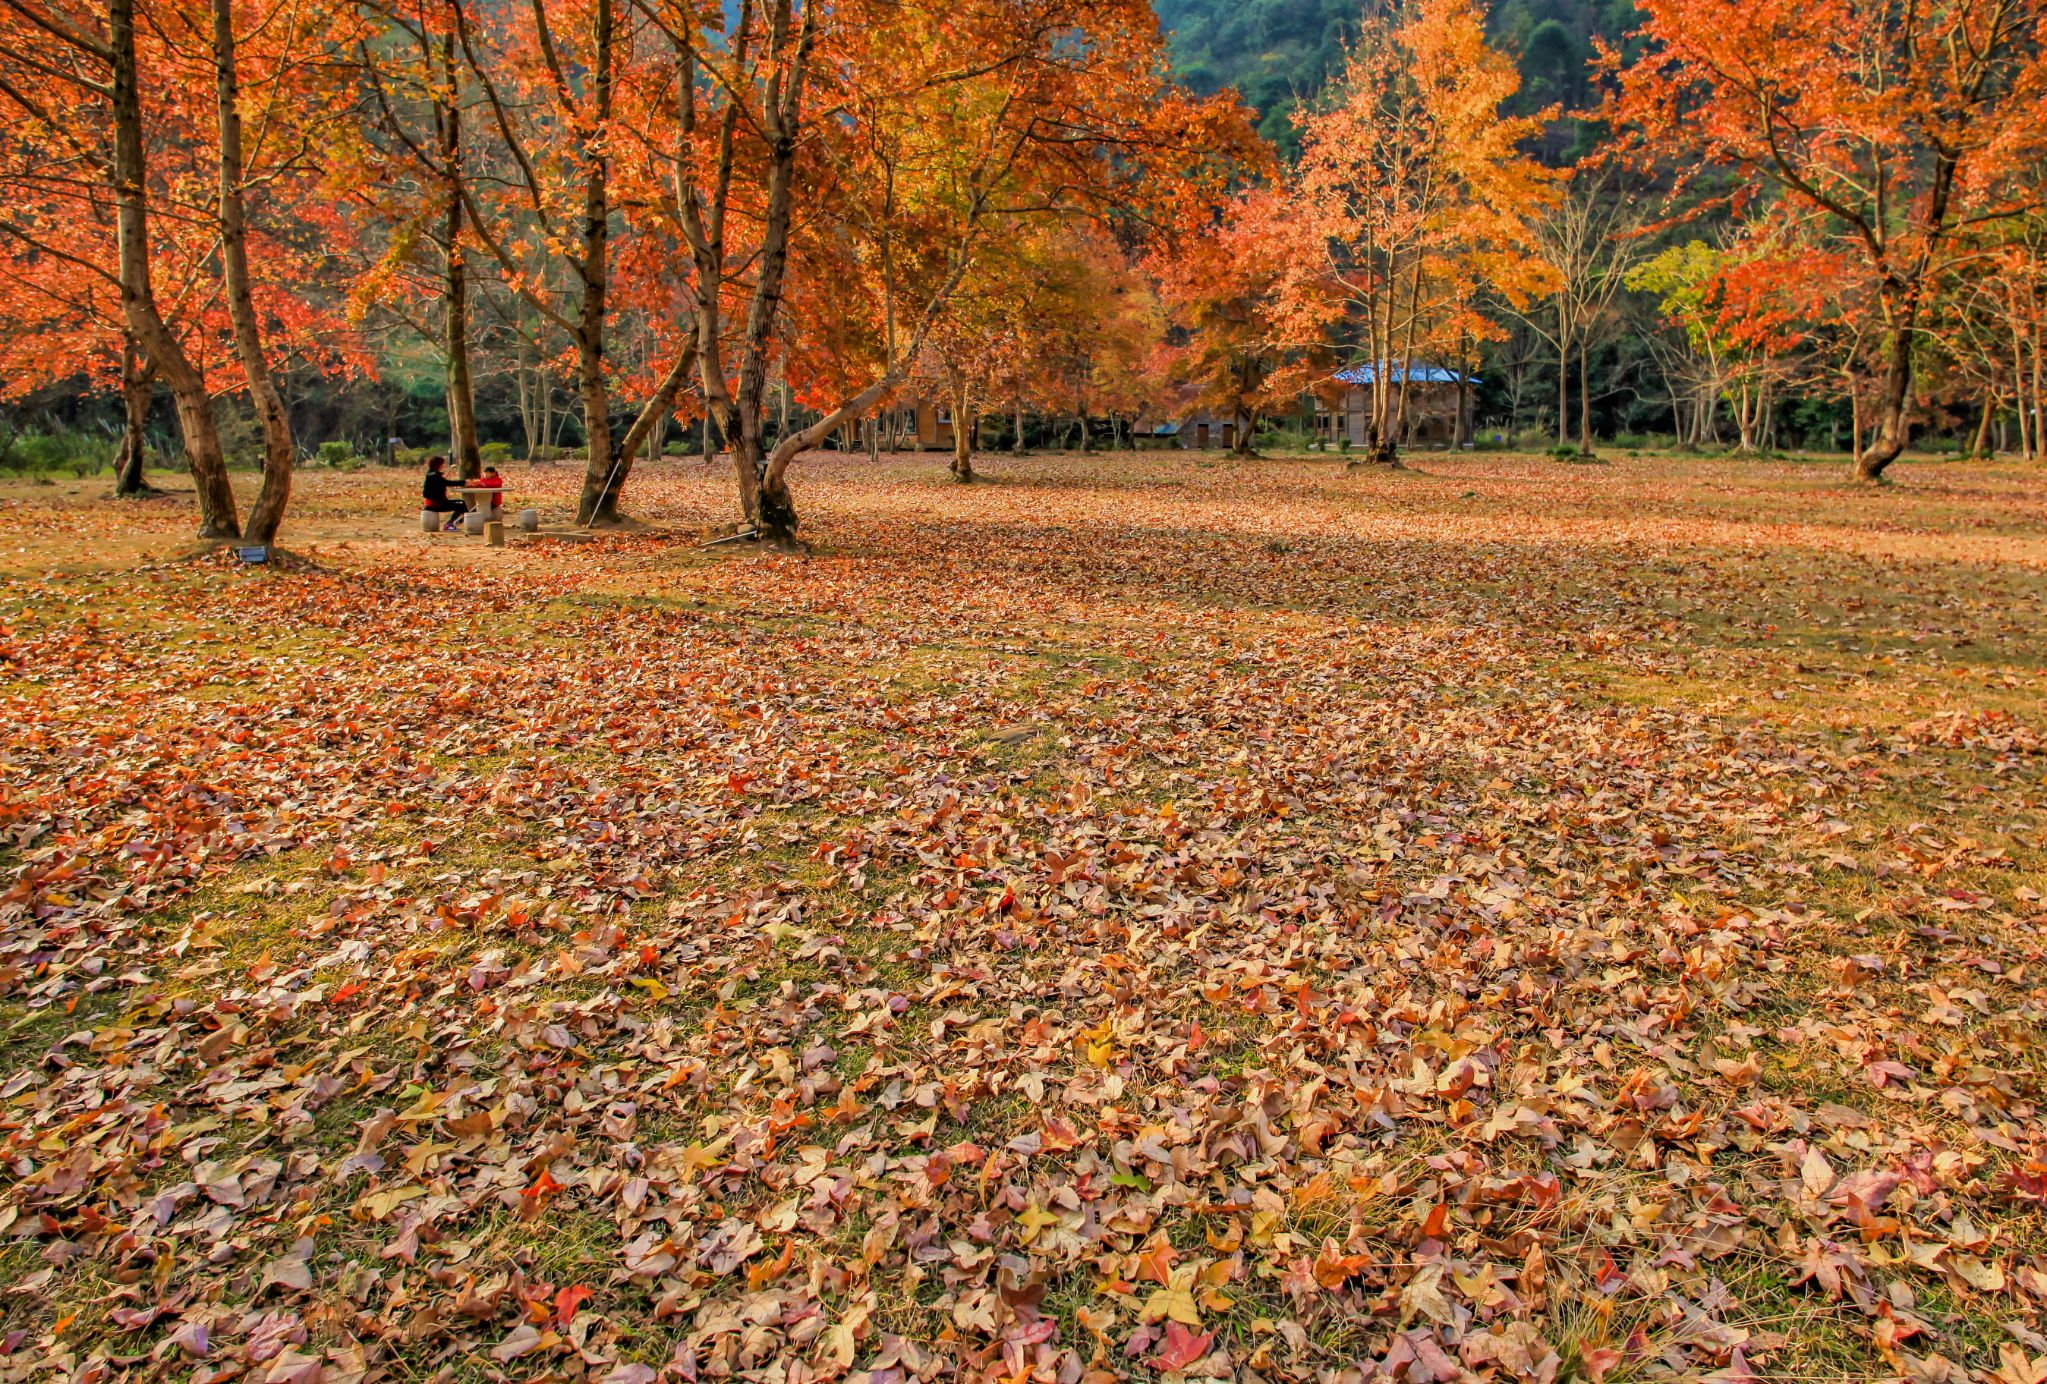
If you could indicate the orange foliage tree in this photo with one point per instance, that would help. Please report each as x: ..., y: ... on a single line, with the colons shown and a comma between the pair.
x: 1895, y: 126
x: 1414, y: 190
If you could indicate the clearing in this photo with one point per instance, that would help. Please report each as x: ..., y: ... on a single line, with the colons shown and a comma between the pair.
x: 1138, y: 915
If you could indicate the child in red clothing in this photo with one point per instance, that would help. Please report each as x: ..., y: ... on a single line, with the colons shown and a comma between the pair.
x: 494, y: 481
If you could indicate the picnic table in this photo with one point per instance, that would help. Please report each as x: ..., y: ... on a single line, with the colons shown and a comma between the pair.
x: 481, y: 508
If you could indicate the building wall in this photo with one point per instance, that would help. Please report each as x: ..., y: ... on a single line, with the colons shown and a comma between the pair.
x: 1431, y: 415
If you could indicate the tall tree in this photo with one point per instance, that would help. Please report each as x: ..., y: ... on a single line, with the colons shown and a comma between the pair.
x: 1894, y: 122
x: 1412, y: 178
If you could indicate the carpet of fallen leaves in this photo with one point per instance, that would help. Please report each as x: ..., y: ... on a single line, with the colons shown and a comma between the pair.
x: 1140, y: 916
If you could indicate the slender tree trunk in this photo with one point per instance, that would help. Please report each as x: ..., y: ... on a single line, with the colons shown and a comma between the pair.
x: 1584, y: 401
x: 1563, y: 383
x: 136, y: 376
x: 462, y: 443
x: 2039, y: 377
x: 963, y: 429
x: 1978, y: 450
x: 268, y: 511
x: 764, y: 490
x: 604, y: 473
x: 1016, y: 444
x: 218, y: 518
x: 1893, y: 401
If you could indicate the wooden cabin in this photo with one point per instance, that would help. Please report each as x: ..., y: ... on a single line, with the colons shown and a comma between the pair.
x: 1434, y: 396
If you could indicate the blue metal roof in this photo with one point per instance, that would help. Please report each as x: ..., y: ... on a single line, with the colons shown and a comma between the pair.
x: 1420, y: 374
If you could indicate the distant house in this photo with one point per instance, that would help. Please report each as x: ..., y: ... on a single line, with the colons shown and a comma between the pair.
x: 1434, y: 398
x: 918, y: 422
x: 1183, y: 422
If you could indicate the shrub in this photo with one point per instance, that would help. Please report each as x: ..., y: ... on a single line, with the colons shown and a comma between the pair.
x: 336, y: 452
x: 410, y: 456
x: 495, y: 453
x: 41, y: 453
x: 1283, y: 440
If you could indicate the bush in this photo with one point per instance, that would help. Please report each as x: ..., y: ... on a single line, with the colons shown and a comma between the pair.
x: 495, y: 453
x: 410, y: 456
x: 42, y: 453
x: 1564, y: 453
x: 1283, y: 440
x: 336, y: 452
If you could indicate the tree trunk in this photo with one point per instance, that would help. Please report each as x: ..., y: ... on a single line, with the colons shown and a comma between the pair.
x: 1978, y: 449
x: 462, y: 444
x: 963, y: 425
x: 2039, y: 377
x: 1893, y: 424
x: 604, y: 474
x: 268, y: 511
x: 1563, y: 385
x: 217, y: 513
x: 1584, y: 402
x: 1246, y: 421
x: 136, y: 377
x: 1854, y: 416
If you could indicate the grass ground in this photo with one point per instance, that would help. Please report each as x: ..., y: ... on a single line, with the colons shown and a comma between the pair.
x: 1156, y: 915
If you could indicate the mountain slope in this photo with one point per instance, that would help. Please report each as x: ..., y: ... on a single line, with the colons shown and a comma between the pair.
x: 1279, y: 53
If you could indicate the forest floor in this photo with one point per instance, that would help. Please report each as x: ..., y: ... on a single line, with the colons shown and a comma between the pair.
x: 1157, y: 915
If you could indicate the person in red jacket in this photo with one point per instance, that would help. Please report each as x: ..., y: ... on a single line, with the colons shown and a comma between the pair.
x: 494, y: 481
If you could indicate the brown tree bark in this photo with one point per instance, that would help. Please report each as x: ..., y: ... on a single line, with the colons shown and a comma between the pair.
x: 1584, y: 402
x: 268, y: 512
x: 604, y: 473
x: 218, y: 518
x: 137, y: 377
x: 461, y: 390
x: 962, y: 433
x: 1893, y: 427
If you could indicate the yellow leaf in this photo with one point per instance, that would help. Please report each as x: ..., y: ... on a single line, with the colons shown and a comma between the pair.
x: 1175, y: 1301
x: 377, y: 1206
x: 1035, y: 1220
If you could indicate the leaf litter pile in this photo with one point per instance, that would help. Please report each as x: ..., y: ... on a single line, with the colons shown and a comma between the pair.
x: 1142, y: 917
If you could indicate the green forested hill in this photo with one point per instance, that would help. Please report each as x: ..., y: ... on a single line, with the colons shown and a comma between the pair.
x: 1280, y: 52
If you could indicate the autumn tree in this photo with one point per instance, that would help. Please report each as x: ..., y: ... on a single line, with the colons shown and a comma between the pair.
x: 1894, y: 124
x: 1413, y: 182
x: 79, y: 137
x: 1252, y: 332
x: 1588, y: 240
x: 983, y: 117
x: 575, y: 92
x: 406, y: 167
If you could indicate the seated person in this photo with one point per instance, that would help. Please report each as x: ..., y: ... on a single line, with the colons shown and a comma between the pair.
x: 435, y: 489
x: 494, y: 481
